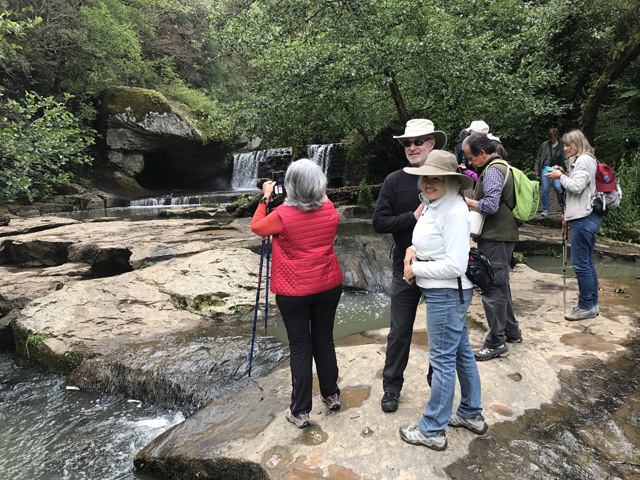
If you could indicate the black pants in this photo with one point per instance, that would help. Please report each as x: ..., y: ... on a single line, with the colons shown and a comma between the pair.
x: 309, y: 322
x: 404, y: 304
x: 497, y: 303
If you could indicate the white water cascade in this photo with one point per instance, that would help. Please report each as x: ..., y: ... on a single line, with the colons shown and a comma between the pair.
x: 321, y: 156
x: 245, y: 170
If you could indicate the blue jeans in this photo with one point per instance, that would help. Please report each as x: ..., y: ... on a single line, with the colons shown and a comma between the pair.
x: 557, y: 186
x: 583, y: 242
x: 449, y: 350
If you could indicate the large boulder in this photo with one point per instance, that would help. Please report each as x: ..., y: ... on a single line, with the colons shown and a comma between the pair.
x: 152, y: 145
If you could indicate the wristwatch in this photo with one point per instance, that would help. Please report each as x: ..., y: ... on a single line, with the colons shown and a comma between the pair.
x: 263, y: 200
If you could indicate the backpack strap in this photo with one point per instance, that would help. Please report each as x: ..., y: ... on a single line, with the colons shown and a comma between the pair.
x: 504, y: 183
x: 460, y: 290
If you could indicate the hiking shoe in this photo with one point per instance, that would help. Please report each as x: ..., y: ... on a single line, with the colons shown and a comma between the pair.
x: 476, y: 424
x: 514, y: 339
x: 415, y: 437
x: 300, y: 421
x: 332, y: 401
x: 581, y: 313
x: 597, y: 309
x: 389, y: 402
x: 488, y: 353
x: 544, y: 213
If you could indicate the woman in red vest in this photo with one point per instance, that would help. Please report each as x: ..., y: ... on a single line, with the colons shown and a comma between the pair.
x: 306, y: 279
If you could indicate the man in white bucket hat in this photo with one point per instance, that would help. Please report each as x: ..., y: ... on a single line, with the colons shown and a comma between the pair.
x: 397, y: 211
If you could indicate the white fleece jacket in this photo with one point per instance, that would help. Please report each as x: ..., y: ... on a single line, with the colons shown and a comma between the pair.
x: 441, y: 236
x: 580, y: 184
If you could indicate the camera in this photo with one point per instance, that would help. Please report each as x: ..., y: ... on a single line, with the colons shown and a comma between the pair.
x: 278, y: 177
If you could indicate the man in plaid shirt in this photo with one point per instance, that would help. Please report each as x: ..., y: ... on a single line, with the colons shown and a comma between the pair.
x: 494, y: 197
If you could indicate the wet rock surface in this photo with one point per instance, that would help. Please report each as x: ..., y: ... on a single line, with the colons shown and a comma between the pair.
x: 363, y: 442
x: 172, y: 328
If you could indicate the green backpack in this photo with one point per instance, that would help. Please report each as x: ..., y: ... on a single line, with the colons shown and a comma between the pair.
x: 527, y: 193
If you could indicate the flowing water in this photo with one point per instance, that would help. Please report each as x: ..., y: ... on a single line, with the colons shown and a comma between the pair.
x: 245, y: 169
x: 150, y: 208
x: 321, y: 155
x: 52, y: 433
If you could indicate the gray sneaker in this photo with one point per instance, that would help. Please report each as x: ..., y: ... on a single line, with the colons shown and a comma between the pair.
x: 300, y: 421
x: 544, y: 213
x: 476, y: 424
x: 332, y: 401
x: 488, y: 353
x: 414, y: 436
x: 597, y: 309
x: 581, y: 313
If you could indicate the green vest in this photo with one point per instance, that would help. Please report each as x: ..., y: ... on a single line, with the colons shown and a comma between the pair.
x: 501, y: 226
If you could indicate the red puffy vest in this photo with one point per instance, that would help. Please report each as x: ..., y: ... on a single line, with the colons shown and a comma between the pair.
x: 304, y: 261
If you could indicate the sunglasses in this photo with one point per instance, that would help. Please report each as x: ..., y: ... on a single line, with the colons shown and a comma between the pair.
x: 418, y: 143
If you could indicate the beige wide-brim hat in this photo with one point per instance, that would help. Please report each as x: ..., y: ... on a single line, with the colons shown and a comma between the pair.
x: 440, y: 163
x: 419, y: 127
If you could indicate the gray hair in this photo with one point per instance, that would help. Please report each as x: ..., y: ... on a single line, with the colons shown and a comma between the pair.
x: 452, y: 185
x: 306, y: 185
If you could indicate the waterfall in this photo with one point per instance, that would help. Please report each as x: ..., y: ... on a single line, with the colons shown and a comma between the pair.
x: 245, y: 170
x: 148, y: 202
x: 321, y: 156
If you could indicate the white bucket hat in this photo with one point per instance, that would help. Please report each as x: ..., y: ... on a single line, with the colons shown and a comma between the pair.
x: 419, y: 127
x: 441, y: 163
x: 479, y: 126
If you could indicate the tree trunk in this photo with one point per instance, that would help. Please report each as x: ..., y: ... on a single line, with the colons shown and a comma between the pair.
x: 598, y: 90
x: 397, y: 97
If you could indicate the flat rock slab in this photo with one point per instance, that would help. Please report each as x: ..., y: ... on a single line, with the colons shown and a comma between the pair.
x: 148, y: 241
x: 21, y: 226
x: 244, y: 434
x: 160, y: 306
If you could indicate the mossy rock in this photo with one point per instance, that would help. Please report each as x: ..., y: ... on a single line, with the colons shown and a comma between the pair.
x: 136, y: 102
x: 209, y: 300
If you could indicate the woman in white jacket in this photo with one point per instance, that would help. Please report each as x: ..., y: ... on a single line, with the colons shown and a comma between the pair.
x: 580, y: 185
x: 437, y: 261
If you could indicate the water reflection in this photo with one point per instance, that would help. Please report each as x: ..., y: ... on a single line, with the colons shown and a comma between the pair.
x: 357, y: 312
x: 605, y: 267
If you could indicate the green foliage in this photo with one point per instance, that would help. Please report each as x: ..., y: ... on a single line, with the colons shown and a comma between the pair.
x: 238, y: 310
x: 241, y: 200
x: 40, y: 139
x: 210, y: 205
x: 146, y: 264
x: 10, y: 29
x: 35, y: 341
x: 627, y: 215
x: 365, y: 199
x: 180, y: 303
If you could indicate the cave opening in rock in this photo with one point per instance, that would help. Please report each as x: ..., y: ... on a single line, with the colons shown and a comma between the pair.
x: 159, y: 172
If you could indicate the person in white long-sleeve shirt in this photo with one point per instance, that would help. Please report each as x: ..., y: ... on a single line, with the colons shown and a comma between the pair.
x: 437, y: 262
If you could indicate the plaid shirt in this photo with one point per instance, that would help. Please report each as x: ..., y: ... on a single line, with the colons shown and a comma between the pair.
x: 492, y: 184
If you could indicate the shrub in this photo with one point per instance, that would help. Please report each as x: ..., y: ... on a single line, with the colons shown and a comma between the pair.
x: 39, y: 140
x: 365, y: 199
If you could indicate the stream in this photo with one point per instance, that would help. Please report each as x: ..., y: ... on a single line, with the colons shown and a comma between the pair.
x: 52, y: 433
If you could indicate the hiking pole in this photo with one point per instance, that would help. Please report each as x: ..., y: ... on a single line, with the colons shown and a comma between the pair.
x: 266, y: 301
x: 564, y: 263
x: 255, y: 315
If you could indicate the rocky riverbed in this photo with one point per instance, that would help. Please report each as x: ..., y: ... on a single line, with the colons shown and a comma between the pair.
x: 157, y: 310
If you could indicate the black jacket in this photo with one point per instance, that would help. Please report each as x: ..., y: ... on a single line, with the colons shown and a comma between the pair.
x: 461, y: 158
x: 394, y: 213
